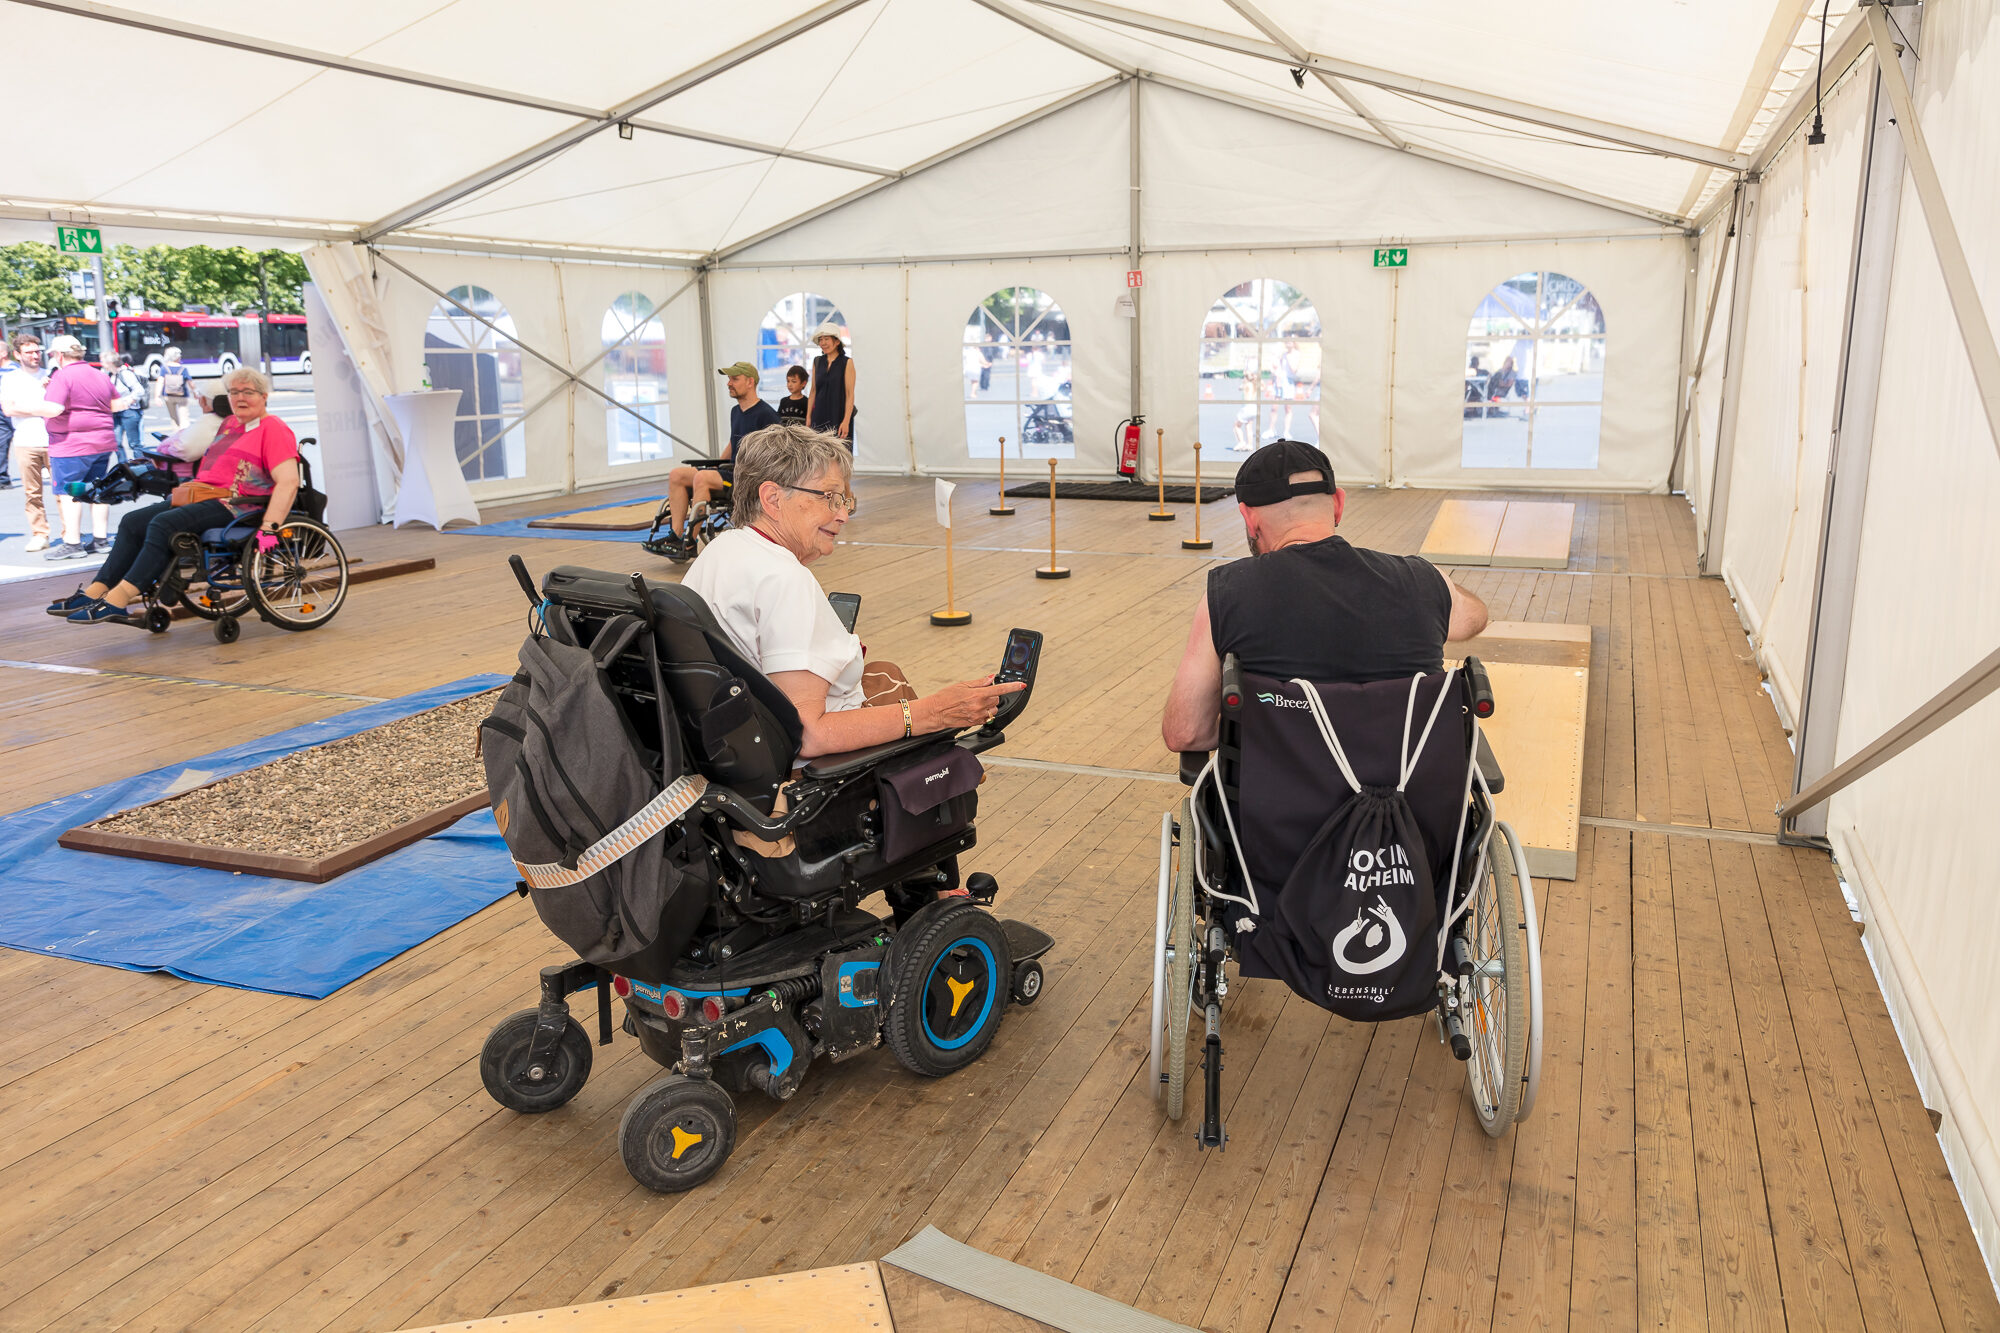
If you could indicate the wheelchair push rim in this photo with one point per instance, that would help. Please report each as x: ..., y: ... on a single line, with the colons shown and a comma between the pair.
x: 1174, y: 960
x: 1497, y: 1001
x: 301, y: 583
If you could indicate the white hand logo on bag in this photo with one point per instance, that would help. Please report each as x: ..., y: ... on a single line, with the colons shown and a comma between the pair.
x: 1372, y: 939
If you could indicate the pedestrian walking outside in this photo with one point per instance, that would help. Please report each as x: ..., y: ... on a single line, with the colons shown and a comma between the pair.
x: 21, y: 390
x: 132, y: 387
x: 175, y: 385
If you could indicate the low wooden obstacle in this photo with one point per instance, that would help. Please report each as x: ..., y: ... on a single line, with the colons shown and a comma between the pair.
x: 1519, y: 534
x: 1541, y: 685
x: 848, y: 1299
x: 633, y: 517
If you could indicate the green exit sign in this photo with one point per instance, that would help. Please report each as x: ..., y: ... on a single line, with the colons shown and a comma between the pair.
x: 1391, y: 258
x: 90, y: 241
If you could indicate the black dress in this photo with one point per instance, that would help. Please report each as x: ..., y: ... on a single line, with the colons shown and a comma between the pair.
x: 830, y: 395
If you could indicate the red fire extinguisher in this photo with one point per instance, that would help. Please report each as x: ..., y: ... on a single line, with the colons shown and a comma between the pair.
x: 1128, y: 447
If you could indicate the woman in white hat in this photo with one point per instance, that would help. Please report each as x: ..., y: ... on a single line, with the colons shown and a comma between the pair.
x: 830, y: 406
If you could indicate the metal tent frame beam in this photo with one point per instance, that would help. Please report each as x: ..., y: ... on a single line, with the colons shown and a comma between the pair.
x: 1548, y: 118
x: 1265, y: 24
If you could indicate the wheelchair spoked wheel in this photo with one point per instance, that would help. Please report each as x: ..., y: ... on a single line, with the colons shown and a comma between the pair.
x: 677, y: 1133
x: 948, y: 977
x: 209, y: 604
x: 1500, y: 996
x: 503, y: 1064
x: 1174, y: 960
x: 299, y: 584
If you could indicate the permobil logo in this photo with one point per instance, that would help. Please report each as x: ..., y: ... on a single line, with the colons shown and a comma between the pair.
x: 1281, y: 701
x: 944, y: 772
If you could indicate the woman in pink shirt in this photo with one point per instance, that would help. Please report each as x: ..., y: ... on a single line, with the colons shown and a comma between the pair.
x: 254, y: 462
x: 78, y: 401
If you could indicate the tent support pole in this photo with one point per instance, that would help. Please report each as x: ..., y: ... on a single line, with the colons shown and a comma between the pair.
x: 1859, y: 378
x: 1716, y: 512
x: 1133, y: 261
x: 1692, y: 379
x: 707, y: 360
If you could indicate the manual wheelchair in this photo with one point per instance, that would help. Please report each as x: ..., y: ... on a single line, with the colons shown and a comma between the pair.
x: 706, y: 520
x: 220, y: 574
x: 763, y: 960
x: 1250, y: 813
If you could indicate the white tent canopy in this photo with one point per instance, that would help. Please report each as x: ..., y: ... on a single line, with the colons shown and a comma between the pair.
x: 1794, y: 333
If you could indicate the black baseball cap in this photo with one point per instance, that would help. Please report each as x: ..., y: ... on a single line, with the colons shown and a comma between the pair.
x: 1265, y: 478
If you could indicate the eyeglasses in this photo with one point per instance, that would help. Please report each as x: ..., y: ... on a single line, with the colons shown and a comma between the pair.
x: 246, y: 393
x: 835, y: 500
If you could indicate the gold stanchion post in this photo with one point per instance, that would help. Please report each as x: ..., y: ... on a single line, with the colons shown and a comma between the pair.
x: 951, y: 615
x: 1197, y: 544
x: 1001, y: 509
x: 1161, y: 514
x: 1054, y: 571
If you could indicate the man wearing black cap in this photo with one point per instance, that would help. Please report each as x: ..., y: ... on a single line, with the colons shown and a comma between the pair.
x: 1307, y: 604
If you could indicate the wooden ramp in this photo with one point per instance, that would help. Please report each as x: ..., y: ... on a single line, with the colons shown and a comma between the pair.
x: 1541, y: 688
x: 1728, y: 1135
x: 1514, y: 534
x: 848, y: 1299
x: 634, y: 517
x: 1464, y: 531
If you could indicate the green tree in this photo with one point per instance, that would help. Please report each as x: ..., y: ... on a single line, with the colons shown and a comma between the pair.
x: 34, y: 280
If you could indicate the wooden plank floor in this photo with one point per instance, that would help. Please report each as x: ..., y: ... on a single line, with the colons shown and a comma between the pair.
x: 1727, y: 1135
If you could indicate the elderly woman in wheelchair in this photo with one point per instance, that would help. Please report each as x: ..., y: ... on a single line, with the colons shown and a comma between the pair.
x: 231, y: 528
x: 1341, y: 838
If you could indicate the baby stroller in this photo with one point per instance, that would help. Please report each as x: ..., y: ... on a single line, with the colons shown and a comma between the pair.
x: 219, y: 574
x: 1429, y: 909
x: 706, y: 520
x: 642, y: 773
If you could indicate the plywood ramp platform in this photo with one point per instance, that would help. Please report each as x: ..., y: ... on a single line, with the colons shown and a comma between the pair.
x: 1727, y: 1136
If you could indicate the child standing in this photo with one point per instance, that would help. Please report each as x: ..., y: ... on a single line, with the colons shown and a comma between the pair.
x: 792, y: 407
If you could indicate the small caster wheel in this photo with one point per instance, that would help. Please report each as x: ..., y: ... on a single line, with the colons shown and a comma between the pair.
x: 158, y: 618
x: 227, y: 630
x: 677, y: 1133
x: 1028, y: 982
x: 505, y: 1070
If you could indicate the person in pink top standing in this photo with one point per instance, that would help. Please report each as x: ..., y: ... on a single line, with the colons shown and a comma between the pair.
x: 251, y: 468
x: 78, y: 401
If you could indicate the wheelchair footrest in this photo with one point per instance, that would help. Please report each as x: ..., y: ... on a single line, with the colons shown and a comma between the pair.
x: 1025, y: 941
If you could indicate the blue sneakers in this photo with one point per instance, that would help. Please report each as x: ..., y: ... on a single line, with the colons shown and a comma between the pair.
x: 76, y: 601
x: 97, y: 611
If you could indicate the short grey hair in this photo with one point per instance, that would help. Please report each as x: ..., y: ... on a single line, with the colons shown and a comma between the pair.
x: 249, y: 375
x: 788, y: 454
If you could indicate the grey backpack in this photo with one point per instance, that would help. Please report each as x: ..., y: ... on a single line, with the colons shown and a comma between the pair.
x: 591, y: 809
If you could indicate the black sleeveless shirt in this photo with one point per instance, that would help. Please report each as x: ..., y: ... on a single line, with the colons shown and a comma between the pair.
x: 1330, y: 612
x: 829, y: 391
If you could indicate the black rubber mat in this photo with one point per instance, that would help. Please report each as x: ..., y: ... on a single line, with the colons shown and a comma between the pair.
x: 1117, y: 490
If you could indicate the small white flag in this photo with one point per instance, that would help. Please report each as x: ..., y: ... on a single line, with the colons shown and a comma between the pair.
x: 944, y: 490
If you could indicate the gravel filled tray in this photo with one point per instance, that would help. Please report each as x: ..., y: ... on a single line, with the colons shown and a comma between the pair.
x: 319, y: 812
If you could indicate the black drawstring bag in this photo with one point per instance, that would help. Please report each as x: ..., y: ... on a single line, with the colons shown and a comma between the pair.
x: 1355, y: 925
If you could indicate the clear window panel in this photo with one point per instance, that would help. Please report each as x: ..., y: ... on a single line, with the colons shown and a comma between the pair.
x: 1566, y: 437
x: 1496, y: 441
x: 1570, y: 370
x: 1016, y: 364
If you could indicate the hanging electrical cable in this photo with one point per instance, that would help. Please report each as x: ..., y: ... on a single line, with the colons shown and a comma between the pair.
x: 1818, y: 134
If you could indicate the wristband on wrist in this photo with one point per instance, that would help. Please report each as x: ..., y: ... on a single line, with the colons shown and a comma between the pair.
x: 906, y: 719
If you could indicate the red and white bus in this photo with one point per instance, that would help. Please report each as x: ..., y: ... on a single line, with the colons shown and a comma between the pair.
x: 211, y: 345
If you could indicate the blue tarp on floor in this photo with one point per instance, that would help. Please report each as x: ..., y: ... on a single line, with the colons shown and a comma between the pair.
x: 518, y: 527
x: 275, y: 935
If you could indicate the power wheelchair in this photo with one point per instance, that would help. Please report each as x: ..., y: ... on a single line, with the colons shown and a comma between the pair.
x: 219, y: 575
x: 706, y: 520
x: 775, y: 963
x: 1256, y: 801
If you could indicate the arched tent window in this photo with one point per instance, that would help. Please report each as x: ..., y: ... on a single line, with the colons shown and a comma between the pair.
x: 1017, y: 376
x: 1534, y: 375
x: 1260, y: 364
x: 785, y: 339
x: 481, y: 361
x: 635, y: 374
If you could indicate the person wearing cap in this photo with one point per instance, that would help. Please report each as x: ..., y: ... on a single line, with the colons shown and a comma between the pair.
x: 830, y: 406
x: 78, y: 402
x: 687, y: 485
x: 1307, y: 604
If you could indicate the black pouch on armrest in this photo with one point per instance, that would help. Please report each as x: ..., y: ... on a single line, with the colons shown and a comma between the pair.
x: 928, y: 800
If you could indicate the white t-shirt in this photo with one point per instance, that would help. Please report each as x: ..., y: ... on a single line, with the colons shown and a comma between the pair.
x: 773, y: 610
x: 19, y: 385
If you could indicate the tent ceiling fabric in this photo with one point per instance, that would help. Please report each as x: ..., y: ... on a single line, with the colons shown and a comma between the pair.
x: 877, y: 85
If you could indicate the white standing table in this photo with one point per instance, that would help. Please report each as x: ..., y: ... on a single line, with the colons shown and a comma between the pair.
x: 433, y: 488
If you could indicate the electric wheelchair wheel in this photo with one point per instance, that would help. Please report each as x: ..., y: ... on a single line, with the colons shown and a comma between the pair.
x: 677, y: 1133
x: 228, y: 629
x: 1174, y: 959
x: 946, y: 981
x: 300, y: 583
x: 1500, y: 995
x: 503, y: 1065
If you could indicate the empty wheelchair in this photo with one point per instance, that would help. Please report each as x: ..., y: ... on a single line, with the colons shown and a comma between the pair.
x: 1244, y: 879
x: 220, y: 575
x: 717, y: 893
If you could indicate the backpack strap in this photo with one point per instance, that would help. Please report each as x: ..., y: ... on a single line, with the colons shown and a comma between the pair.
x: 678, y: 798
x: 613, y: 638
